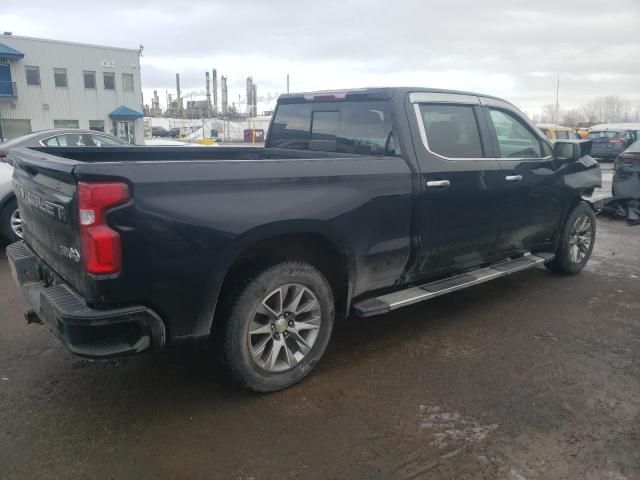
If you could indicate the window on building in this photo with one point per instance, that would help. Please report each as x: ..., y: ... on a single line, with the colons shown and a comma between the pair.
x: 127, y: 82
x: 65, y: 124
x: 14, y: 128
x: 452, y: 130
x: 514, y: 139
x: 109, y: 80
x: 33, y: 75
x: 96, y: 125
x: 60, y: 77
x: 89, y: 79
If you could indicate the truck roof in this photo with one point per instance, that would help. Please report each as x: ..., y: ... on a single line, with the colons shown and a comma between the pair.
x: 374, y: 93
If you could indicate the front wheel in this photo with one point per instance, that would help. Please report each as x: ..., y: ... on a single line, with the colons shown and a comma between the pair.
x: 576, y: 242
x: 278, y: 327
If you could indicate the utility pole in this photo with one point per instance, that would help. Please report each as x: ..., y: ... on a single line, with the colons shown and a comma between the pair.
x: 287, y: 83
x: 557, y: 99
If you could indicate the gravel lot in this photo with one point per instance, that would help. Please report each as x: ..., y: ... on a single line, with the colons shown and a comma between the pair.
x: 534, y: 376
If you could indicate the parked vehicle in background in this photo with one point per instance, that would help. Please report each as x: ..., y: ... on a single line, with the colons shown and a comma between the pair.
x: 174, y: 132
x: 558, y: 132
x: 362, y: 201
x: 9, y: 216
x: 608, y: 143
x: 159, y: 132
x: 10, y: 223
x: 626, y: 175
x: 63, y: 137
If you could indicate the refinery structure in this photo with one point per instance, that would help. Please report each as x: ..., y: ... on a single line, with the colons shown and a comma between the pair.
x: 211, y: 107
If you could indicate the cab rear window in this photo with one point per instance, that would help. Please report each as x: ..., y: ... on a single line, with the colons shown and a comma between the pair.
x: 344, y: 127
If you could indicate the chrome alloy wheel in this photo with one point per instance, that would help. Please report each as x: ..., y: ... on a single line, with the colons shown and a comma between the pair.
x: 284, y: 328
x: 16, y: 223
x: 580, y: 239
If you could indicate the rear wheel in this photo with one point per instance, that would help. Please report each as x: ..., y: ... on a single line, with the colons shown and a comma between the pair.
x: 277, y: 327
x: 576, y: 242
x: 10, y: 222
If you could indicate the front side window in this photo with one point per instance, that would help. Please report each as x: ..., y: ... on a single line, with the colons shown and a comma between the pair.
x: 109, y: 80
x: 33, y: 75
x: 60, y: 77
x: 514, y: 139
x: 127, y: 82
x: 452, y: 130
x: 89, y: 79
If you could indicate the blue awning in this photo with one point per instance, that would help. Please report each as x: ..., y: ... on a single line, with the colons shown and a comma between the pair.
x: 8, y: 52
x: 125, y: 112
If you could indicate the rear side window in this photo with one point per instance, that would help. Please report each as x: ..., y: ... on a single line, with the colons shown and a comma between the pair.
x: 363, y: 128
x: 514, y: 139
x: 562, y: 135
x: 452, y: 130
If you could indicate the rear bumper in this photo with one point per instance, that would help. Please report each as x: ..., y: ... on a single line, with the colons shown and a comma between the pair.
x: 85, y: 331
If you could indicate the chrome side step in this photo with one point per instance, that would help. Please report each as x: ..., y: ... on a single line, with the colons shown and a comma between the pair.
x: 409, y: 296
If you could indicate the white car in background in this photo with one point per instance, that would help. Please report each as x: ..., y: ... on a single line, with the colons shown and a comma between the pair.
x: 10, y: 225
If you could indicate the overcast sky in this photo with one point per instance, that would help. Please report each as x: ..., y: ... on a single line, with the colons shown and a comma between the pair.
x: 512, y: 49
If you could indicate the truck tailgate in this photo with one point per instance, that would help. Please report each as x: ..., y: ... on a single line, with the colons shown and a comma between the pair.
x: 46, y: 194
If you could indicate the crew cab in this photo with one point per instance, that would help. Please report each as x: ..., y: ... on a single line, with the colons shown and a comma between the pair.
x: 362, y: 201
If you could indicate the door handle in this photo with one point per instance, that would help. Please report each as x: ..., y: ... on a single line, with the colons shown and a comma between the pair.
x: 513, y: 178
x: 438, y: 184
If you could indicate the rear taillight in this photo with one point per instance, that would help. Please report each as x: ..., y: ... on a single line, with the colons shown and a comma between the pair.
x: 100, y: 244
x: 616, y: 140
x: 629, y: 158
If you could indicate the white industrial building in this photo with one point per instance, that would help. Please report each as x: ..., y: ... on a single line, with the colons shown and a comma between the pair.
x: 54, y: 84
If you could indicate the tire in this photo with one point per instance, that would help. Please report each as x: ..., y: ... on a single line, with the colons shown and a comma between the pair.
x: 286, y: 341
x: 573, y: 251
x: 10, y: 209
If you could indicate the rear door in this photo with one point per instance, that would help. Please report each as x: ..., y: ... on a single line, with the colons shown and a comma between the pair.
x: 531, y: 184
x: 459, y: 206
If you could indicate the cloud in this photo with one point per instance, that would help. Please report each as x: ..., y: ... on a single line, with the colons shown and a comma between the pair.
x: 513, y: 49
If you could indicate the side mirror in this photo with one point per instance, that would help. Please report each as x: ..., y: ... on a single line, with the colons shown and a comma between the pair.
x: 571, y: 150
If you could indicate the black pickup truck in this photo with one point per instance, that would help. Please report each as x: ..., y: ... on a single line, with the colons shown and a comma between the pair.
x: 362, y: 201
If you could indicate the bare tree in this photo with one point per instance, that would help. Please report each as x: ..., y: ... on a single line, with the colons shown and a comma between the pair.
x: 549, y: 113
x: 589, y: 111
x: 570, y: 118
x: 608, y: 109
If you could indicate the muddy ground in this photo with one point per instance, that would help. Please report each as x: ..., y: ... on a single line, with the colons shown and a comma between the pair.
x: 534, y: 376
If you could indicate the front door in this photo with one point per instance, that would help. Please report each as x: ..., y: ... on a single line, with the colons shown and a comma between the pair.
x: 6, y: 87
x: 124, y: 130
x: 531, y: 188
x: 459, y: 206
